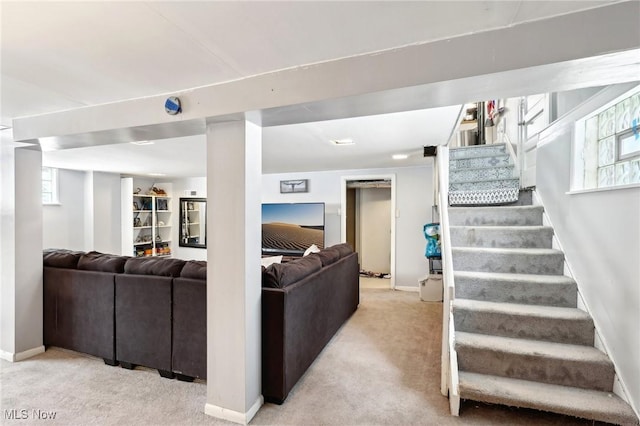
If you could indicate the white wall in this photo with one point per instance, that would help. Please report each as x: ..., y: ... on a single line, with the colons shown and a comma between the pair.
x: 414, y: 195
x: 88, y: 216
x: 600, y: 234
x: 198, y: 184
x: 374, y: 210
x: 106, y: 212
x: 567, y: 100
x: 63, y: 224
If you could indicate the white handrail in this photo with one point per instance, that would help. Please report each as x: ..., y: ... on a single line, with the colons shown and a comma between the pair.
x: 449, y: 361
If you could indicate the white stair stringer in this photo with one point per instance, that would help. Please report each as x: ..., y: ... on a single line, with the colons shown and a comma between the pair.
x: 520, y: 338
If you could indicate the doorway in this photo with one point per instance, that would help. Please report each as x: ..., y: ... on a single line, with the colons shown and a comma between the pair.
x: 368, y: 222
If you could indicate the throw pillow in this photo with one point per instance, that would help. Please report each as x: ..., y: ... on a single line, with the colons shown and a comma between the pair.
x: 266, y: 261
x: 312, y: 249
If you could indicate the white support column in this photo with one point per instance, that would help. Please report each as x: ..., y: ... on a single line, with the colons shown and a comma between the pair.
x: 20, y: 251
x: 234, y: 173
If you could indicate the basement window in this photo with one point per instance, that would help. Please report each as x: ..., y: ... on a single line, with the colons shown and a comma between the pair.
x: 50, y: 186
x: 607, y: 145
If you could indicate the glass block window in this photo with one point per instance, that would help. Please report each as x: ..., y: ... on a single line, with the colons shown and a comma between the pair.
x: 610, y: 151
x: 49, y: 185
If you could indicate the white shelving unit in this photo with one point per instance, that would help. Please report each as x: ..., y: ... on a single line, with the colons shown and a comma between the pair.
x: 146, y: 222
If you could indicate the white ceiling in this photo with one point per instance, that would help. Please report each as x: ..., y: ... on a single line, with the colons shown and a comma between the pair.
x: 62, y: 55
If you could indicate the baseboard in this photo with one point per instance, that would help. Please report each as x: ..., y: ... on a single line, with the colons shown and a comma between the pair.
x: 20, y: 356
x: 234, y: 416
x: 407, y: 288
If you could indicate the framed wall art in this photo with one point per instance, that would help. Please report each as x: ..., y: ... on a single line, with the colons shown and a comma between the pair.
x: 291, y: 186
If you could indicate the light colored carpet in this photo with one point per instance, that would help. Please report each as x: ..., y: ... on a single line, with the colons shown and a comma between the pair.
x: 382, y: 367
x: 378, y: 283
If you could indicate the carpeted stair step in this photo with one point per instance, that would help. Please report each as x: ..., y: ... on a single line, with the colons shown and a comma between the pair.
x: 501, y: 236
x: 535, y: 322
x: 547, y: 362
x: 496, y: 160
x: 502, y: 216
x: 509, y: 260
x: 484, y: 173
x: 583, y: 403
x: 475, y: 185
x: 477, y: 150
x: 548, y: 290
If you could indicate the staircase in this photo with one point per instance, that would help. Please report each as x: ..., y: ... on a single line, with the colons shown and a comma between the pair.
x: 519, y: 337
x: 482, y: 175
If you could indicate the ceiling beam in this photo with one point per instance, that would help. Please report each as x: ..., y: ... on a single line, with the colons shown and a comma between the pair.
x: 602, y: 31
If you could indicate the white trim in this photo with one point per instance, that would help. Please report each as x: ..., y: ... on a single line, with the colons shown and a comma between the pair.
x: 606, y: 188
x: 407, y: 288
x: 619, y: 387
x: 393, y: 213
x: 21, y: 356
x: 234, y: 416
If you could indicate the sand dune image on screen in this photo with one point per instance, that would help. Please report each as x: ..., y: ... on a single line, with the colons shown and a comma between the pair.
x: 288, y: 236
x: 292, y: 227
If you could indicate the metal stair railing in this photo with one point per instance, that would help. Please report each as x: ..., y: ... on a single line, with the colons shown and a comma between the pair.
x: 449, y: 360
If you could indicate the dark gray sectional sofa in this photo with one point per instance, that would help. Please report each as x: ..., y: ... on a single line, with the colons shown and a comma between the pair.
x: 123, y: 309
x: 152, y: 311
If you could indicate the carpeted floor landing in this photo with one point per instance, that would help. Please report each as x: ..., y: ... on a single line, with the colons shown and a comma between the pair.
x: 382, y: 367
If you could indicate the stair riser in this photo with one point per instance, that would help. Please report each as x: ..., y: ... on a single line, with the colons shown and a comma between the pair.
x: 471, y: 216
x: 575, y: 332
x: 475, y: 163
x: 515, y: 263
x: 466, y: 175
x: 477, y: 151
x: 533, y: 293
x: 492, y: 184
x: 581, y: 374
x: 505, y: 238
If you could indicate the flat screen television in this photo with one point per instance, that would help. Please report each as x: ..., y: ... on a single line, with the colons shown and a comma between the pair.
x: 290, y: 228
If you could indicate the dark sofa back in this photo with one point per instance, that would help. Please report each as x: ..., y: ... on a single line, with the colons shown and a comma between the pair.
x: 189, y: 351
x: 143, y: 311
x: 300, y: 319
x: 79, y: 304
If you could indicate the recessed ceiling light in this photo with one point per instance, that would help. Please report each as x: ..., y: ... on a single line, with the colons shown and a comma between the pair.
x: 399, y: 156
x: 143, y: 143
x: 157, y: 174
x: 342, y: 142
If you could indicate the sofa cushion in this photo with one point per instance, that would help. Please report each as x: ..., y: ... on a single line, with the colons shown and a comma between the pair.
x: 196, y: 269
x: 328, y: 256
x: 95, y: 261
x: 280, y: 275
x: 344, y: 249
x: 60, y: 258
x: 158, y: 266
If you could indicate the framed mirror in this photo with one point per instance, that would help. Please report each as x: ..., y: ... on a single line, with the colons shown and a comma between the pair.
x: 193, y: 222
